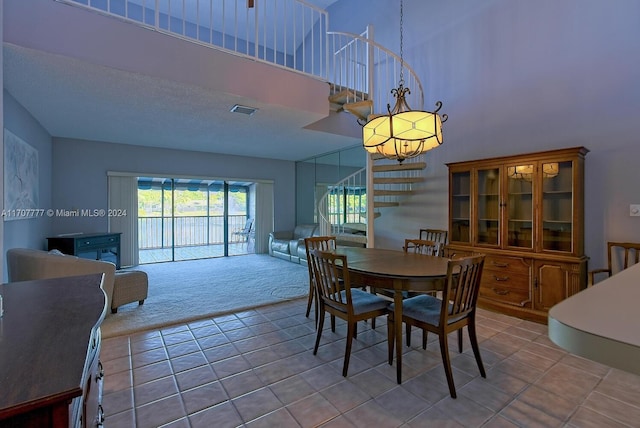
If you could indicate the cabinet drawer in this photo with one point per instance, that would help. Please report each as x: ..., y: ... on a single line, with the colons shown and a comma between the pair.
x: 511, y: 296
x: 504, y: 264
x: 506, y: 287
x: 100, y: 241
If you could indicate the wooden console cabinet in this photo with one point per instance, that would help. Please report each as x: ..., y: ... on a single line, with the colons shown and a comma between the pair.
x: 526, y: 213
x: 50, y: 371
x: 95, y: 246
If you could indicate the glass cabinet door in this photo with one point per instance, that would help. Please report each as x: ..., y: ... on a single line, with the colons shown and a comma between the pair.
x: 460, y: 207
x: 557, y: 203
x: 488, y: 217
x: 519, y: 201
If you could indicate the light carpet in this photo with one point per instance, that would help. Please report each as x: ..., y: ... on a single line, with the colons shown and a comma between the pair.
x: 181, y: 292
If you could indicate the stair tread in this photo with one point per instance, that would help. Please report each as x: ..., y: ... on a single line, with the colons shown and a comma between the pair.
x: 384, y: 192
x: 345, y: 96
x: 385, y: 204
x: 360, y: 109
x: 396, y: 180
x: 413, y: 166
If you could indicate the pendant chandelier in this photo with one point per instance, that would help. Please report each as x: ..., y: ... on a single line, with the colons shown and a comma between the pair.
x: 403, y: 133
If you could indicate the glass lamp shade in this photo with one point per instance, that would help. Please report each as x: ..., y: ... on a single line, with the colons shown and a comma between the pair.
x: 403, y: 133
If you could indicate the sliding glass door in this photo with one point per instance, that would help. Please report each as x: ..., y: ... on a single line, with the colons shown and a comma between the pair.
x: 185, y: 219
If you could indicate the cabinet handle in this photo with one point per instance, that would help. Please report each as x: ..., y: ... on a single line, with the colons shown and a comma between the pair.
x: 500, y: 292
x: 500, y: 265
x: 100, y: 417
x: 100, y: 371
x: 501, y: 278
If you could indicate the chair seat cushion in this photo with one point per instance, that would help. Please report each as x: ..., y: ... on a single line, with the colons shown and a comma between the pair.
x: 425, y: 308
x: 366, y: 302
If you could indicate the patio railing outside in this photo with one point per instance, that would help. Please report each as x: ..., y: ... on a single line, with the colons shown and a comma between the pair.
x: 158, y: 232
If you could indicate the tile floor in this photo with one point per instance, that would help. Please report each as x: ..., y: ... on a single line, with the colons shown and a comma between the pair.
x: 256, y: 369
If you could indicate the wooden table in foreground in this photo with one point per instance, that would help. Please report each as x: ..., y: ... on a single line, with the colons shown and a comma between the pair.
x: 49, y: 350
x: 396, y: 271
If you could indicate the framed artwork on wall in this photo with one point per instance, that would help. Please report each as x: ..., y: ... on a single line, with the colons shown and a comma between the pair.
x: 21, y: 191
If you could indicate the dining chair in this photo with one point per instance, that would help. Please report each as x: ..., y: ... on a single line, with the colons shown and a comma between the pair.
x: 335, y: 296
x: 455, y: 310
x: 620, y: 255
x: 324, y: 243
x: 422, y: 246
x: 435, y: 235
x: 418, y: 246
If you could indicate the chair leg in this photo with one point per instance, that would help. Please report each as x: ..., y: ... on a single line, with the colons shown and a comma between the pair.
x: 333, y: 323
x: 460, y: 341
x: 391, y: 337
x: 473, y: 338
x: 310, y: 299
x: 446, y: 362
x: 351, y: 327
x: 407, y: 333
x: 424, y: 338
x: 320, y: 327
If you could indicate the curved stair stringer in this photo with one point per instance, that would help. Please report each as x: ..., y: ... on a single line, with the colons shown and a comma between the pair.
x: 334, y: 224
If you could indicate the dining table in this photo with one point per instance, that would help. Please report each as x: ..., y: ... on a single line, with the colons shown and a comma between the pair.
x: 396, y: 271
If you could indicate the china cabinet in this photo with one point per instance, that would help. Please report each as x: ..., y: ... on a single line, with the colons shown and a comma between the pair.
x: 525, y: 213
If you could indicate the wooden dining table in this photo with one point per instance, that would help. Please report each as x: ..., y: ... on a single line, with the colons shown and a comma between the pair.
x: 396, y: 271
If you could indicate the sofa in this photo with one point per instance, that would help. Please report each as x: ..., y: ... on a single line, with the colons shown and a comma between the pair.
x: 289, y: 245
x: 120, y: 287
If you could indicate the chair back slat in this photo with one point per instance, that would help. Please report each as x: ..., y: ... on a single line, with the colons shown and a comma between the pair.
x: 331, y: 277
x: 422, y: 246
x: 624, y: 253
x: 461, y: 288
x: 324, y: 243
x: 436, y: 235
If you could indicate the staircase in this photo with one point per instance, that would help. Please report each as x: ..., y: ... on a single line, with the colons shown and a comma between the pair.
x: 361, y: 81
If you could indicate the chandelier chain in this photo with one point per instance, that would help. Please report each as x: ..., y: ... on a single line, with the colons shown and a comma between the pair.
x: 401, y: 43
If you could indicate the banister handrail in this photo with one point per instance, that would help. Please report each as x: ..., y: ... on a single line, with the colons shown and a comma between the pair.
x: 397, y: 60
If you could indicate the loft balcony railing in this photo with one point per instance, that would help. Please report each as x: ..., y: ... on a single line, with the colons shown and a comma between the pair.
x: 291, y: 34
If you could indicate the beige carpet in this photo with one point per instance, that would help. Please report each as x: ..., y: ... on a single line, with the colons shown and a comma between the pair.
x: 181, y: 292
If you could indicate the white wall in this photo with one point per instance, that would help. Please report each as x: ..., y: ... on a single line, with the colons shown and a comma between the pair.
x: 519, y: 76
x: 79, y: 178
x: 31, y: 232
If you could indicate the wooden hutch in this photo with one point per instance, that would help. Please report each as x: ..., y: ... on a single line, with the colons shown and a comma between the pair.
x: 526, y: 213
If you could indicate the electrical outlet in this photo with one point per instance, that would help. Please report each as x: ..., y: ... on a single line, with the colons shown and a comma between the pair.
x: 634, y: 210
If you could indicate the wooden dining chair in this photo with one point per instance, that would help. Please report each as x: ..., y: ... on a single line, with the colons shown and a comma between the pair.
x: 324, y: 243
x: 422, y: 246
x: 435, y: 235
x: 620, y: 255
x: 418, y: 246
x: 455, y: 310
x: 335, y: 296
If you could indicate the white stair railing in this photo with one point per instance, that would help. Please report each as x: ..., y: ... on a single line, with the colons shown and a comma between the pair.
x: 333, y: 207
x: 369, y: 71
x: 284, y: 33
x: 287, y: 33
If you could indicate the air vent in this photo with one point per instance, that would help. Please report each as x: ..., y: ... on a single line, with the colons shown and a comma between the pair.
x: 243, y: 109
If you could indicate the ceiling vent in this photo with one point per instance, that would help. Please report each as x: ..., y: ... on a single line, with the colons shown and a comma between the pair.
x: 243, y: 109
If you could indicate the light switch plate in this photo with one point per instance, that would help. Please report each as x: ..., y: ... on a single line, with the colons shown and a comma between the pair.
x: 634, y: 210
